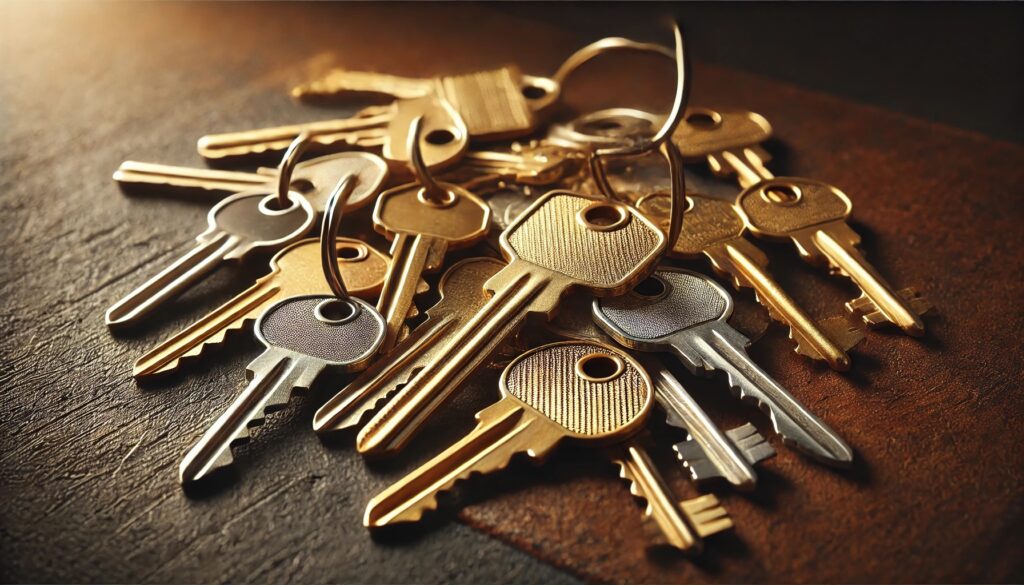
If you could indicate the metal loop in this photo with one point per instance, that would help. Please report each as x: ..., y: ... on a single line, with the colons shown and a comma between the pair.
x: 432, y: 191
x: 287, y: 166
x: 598, y: 48
x: 329, y: 234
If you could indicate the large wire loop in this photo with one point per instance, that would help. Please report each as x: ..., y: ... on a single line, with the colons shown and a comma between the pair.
x: 432, y: 191
x: 284, y: 171
x: 329, y: 234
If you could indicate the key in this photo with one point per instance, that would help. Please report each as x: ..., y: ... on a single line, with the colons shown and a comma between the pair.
x: 716, y: 231
x: 444, y: 139
x: 813, y: 216
x: 708, y: 453
x: 496, y: 104
x: 682, y: 525
x: 238, y: 226
x: 462, y: 295
x: 313, y: 178
x: 728, y: 140
x: 534, y: 164
x: 564, y: 241
x: 578, y: 391
x: 294, y: 271
x: 684, y: 313
x: 305, y: 337
x: 423, y: 220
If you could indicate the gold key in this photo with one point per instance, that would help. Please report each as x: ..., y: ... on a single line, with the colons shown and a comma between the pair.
x: 562, y: 242
x: 533, y: 164
x: 728, y: 140
x: 294, y: 271
x: 715, y: 230
x: 496, y: 104
x: 313, y: 178
x: 444, y: 138
x: 462, y: 295
x: 423, y: 220
x: 813, y: 215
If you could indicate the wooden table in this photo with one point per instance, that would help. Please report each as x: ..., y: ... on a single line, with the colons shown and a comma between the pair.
x: 88, y: 460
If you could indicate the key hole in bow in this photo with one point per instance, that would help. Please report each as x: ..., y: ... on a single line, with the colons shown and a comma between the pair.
x: 336, y: 311
x: 784, y: 195
x: 603, y: 217
x: 439, y: 137
x: 704, y: 119
x: 651, y: 289
x: 599, y: 367
x: 352, y: 253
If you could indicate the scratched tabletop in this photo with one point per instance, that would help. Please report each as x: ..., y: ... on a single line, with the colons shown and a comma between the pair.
x: 88, y: 457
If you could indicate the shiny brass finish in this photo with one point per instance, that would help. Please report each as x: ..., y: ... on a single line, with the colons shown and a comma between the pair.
x: 728, y: 140
x: 813, y: 215
x: 543, y: 402
x: 294, y: 271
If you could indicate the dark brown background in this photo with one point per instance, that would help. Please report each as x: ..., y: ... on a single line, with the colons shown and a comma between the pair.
x: 88, y: 458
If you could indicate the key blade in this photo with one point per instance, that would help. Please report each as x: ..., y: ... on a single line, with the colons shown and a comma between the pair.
x: 721, y: 348
x: 706, y: 516
x: 754, y: 447
x: 747, y: 441
x: 132, y: 173
x: 503, y: 430
x: 275, y: 375
x: 338, y: 82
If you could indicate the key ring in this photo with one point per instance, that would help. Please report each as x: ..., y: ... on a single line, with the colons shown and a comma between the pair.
x: 598, y: 48
x: 284, y: 171
x: 661, y: 140
x: 432, y: 191
x: 329, y: 234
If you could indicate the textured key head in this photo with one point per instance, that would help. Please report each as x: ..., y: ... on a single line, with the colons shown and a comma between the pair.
x: 462, y: 219
x: 344, y: 333
x: 256, y: 219
x: 321, y: 175
x: 704, y: 131
x: 299, y: 267
x: 443, y: 135
x: 778, y: 207
x: 669, y: 302
x: 493, y: 104
x: 709, y: 221
x: 463, y: 283
x: 589, y: 389
x: 593, y: 242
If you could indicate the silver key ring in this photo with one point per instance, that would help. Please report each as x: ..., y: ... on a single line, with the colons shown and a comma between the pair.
x: 284, y: 171
x: 329, y: 234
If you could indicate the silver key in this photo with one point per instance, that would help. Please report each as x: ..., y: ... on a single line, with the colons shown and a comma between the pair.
x: 305, y: 337
x: 685, y: 313
x: 708, y: 453
x: 238, y: 226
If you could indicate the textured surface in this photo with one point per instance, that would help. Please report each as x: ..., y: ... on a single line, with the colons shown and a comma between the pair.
x: 490, y: 102
x: 817, y: 203
x: 293, y: 326
x: 88, y: 458
x: 687, y: 301
x: 546, y: 380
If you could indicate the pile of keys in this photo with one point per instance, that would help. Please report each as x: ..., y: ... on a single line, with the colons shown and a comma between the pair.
x: 587, y: 282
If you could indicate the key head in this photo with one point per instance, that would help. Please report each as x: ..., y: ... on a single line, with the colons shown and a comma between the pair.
x: 779, y: 207
x: 318, y: 177
x: 443, y: 139
x: 256, y: 219
x: 592, y: 242
x: 342, y: 333
x: 495, y: 104
x: 704, y: 131
x: 462, y: 284
x: 461, y: 219
x: 668, y: 303
x: 590, y: 390
x: 709, y: 221
x: 362, y: 266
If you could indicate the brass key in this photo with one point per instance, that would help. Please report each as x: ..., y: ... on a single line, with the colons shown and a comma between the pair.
x: 813, y: 215
x: 444, y: 139
x: 728, y: 140
x: 533, y: 164
x: 423, y: 220
x: 294, y: 271
x: 462, y: 295
x: 313, y: 178
x: 716, y: 231
x: 496, y: 104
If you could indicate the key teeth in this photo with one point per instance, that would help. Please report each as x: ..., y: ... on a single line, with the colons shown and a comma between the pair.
x: 706, y: 515
x: 141, y: 370
x: 866, y: 309
x: 751, y: 443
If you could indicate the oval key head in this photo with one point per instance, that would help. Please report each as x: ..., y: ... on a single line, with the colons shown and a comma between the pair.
x: 704, y: 131
x: 590, y: 390
x: 776, y: 208
x: 670, y: 301
x: 320, y: 175
x: 443, y: 138
x: 345, y: 333
x: 460, y: 220
x: 362, y: 266
x: 597, y: 243
x: 254, y: 218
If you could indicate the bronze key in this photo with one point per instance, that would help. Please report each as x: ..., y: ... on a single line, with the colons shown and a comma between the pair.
x: 728, y: 140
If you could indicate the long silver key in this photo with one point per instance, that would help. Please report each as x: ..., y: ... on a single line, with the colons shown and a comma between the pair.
x: 684, y: 313
x: 305, y: 337
x: 239, y: 225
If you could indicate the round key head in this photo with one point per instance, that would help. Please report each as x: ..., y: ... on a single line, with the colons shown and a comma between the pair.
x: 776, y: 208
x: 443, y: 139
x: 362, y: 266
x: 318, y: 176
x: 599, y: 244
x: 670, y: 301
x: 592, y: 391
x: 258, y: 221
x: 344, y: 333
x: 461, y: 219
x: 704, y: 131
